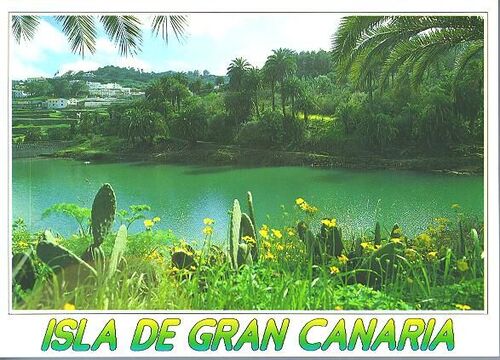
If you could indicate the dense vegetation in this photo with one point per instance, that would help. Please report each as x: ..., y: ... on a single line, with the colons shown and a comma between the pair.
x: 311, y: 263
x: 380, y: 91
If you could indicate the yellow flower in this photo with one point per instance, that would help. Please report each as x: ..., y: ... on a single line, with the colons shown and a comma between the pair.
x: 365, y: 245
x: 249, y: 240
x: 299, y: 201
x: 343, y: 259
x: 290, y: 231
x: 277, y: 233
x: 156, y: 219
x: 69, y: 307
x: 396, y: 240
x: 269, y: 256
x: 411, y: 254
x: 280, y: 247
x: 455, y: 206
x: 264, y: 232
x: 462, y: 265
x: 462, y: 306
x: 22, y: 245
x: 334, y: 270
x: 208, y: 221
x: 148, y: 223
x: 266, y: 244
x: 338, y: 307
x: 208, y: 230
x: 329, y: 223
x: 432, y: 256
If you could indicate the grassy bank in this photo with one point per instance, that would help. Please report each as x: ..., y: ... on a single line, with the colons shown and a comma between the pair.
x: 113, y: 149
x: 294, y: 268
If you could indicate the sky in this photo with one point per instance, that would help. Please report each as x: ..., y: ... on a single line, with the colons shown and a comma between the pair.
x: 212, y: 41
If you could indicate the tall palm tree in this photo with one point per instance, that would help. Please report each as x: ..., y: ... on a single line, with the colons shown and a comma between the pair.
x: 253, y: 82
x: 399, y: 45
x: 293, y: 91
x: 282, y: 63
x: 236, y: 71
x: 81, y: 30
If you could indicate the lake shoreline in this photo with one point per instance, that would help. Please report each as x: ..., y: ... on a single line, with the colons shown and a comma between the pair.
x: 226, y: 155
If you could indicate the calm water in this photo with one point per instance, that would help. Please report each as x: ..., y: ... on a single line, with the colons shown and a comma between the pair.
x: 183, y: 195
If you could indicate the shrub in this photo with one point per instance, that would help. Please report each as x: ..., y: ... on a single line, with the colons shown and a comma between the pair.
x: 59, y: 133
x: 265, y: 133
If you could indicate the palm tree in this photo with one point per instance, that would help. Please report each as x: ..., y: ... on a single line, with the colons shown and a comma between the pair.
x: 253, y: 82
x: 398, y: 45
x: 293, y: 90
x: 81, y: 30
x: 236, y: 71
x: 282, y: 63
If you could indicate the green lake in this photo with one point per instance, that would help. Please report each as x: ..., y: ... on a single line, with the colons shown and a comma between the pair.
x: 182, y: 196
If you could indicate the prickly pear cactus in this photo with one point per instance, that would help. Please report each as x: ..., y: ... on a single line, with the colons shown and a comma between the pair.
x: 103, y: 213
x: 234, y: 233
x: 247, y: 229
x: 337, y: 240
x: 251, y: 211
x: 378, y: 236
x: 244, y: 255
x: 183, y: 257
x: 59, y: 258
x: 23, y: 271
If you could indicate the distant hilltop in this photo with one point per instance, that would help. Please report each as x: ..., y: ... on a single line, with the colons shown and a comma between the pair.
x: 132, y: 77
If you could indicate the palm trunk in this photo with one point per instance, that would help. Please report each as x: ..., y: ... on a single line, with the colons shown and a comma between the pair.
x: 272, y: 95
x: 283, y: 97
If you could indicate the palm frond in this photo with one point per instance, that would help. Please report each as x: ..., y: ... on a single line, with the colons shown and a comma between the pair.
x: 125, y: 32
x: 178, y: 23
x: 24, y: 27
x: 80, y: 31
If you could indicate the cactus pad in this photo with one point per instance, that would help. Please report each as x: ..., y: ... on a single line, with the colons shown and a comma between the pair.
x: 103, y: 213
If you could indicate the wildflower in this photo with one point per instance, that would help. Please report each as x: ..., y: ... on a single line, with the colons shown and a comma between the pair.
x: 249, y: 240
x: 366, y: 245
x: 266, y: 244
x: 69, y: 307
x: 22, y: 245
x: 208, y: 221
x: 269, y: 256
x: 277, y: 233
x: 148, y: 224
x: 462, y: 265
x: 264, y: 232
x: 334, y: 270
x: 208, y: 230
x: 343, y: 259
x: 423, y: 240
x: 411, y: 254
x: 455, y: 206
x: 299, y: 201
x: 432, y: 256
x: 280, y: 247
x: 396, y: 240
x: 329, y: 223
x: 462, y: 306
x: 156, y: 219
x: 290, y: 231
x: 338, y: 307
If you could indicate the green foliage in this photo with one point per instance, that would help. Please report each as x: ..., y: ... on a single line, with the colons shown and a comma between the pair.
x: 80, y: 214
x: 191, y: 122
x: 266, y: 132
x: 135, y: 212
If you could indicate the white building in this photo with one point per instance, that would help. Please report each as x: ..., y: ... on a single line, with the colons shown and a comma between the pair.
x: 72, y: 102
x: 107, y: 90
x: 57, y: 103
